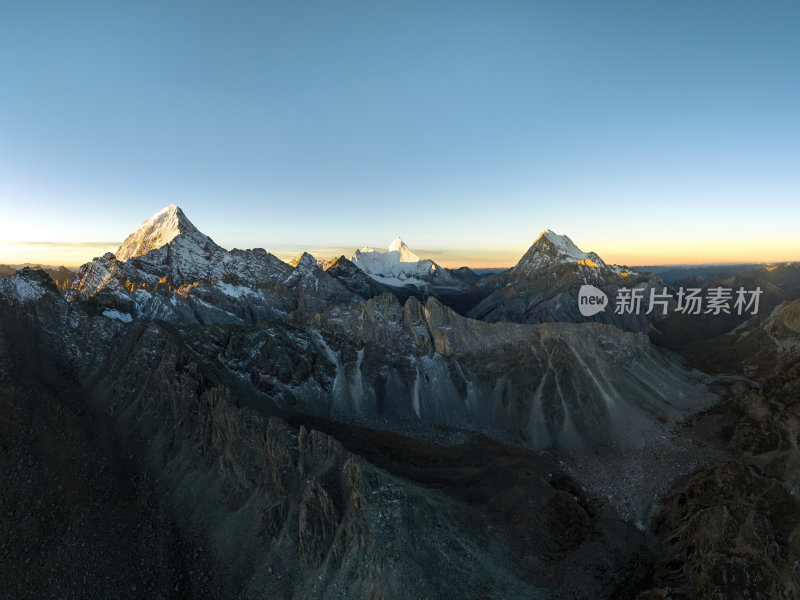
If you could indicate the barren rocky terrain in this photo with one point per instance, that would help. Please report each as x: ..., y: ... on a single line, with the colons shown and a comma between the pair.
x: 188, y: 422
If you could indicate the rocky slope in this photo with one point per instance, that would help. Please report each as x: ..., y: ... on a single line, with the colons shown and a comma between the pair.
x: 756, y: 348
x: 244, y: 494
x: 409, y: 368
x: 679, y: 330
x: 784, y: 275
x: 732, y: 529
x: 186, y: 421
x: 555, y: 384
x: 353, y: 278
x: 241, y: 503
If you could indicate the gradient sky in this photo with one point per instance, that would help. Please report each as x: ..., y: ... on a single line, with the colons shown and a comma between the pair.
x: 649, y: 132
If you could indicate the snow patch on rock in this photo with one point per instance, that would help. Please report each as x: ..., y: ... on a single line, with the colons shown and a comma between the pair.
x: 19, y: 289
x: 119, y: 316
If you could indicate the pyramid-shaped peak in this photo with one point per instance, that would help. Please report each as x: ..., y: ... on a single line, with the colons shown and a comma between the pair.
x: 171, y: 213
x: 552, y: 249
x: 406, y: 255
x: 304, y: 260
x: 561, y: 243
x: 172, y: 209
x: 157, y: 231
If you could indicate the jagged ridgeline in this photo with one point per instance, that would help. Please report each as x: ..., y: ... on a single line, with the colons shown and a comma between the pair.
x: 375, y: 427
x: 382, y: 358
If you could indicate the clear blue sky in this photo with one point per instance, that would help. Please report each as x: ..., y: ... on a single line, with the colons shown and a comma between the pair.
x: 644, y: 130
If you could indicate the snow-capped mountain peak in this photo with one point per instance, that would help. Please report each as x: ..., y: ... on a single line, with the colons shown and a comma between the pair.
x: 564, y: 246
x: 551, y: 249
x: 406, y: 255
x: 169, y: 251
x: 157, y: 231
x: 399, y: 267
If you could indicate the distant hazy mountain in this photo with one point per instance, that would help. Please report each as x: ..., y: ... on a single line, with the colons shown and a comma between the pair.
x: 777, y: 284
x: 398, y: 266
x: 784, y: 275
x: 353, y: 278
x: 679, y: 330
x: 671, y: 273
x: 60, y: 275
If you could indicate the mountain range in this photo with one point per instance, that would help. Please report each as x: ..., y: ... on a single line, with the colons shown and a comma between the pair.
x: 170, y: 270
x: 384, y: 427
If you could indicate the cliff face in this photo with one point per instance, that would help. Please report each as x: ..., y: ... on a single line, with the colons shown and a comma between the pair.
x: 732, y: 529
x: 344, y: 454
x: 599, y: 396
x: 162, y: 483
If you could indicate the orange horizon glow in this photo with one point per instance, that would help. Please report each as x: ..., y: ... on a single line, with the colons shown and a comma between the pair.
x: 75, y: 254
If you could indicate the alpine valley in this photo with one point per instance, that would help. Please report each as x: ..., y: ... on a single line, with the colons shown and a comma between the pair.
x: 178, y: 420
